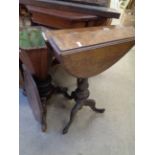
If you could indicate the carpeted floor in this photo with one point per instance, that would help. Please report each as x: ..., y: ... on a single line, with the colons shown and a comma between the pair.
x: 111, y: 133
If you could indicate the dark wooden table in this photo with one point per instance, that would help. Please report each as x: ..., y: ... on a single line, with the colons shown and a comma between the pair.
x: 59, y: 19
x: 87, y: 52
x: 81, y: 57
x: 68, y: 14
x: 83, y: 52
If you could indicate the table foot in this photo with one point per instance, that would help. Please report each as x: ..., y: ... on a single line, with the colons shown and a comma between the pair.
x: 44, y: 127
x: 44, y: 113
x: 91, y: 103
x: 80, y: 95
x: 74, y: 110
x: 24, y: 92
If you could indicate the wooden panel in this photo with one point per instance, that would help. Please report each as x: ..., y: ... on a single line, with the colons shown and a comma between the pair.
x: 40, y: 62
x: 24, y: 58
x: 33, y: 95
x: 39, y: 59
x: 55, y: 22
x: 34, y: 53
x: 92, y: 62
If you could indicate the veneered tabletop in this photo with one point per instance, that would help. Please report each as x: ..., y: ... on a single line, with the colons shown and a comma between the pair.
x: 78, y: 38
x: 86, y: 52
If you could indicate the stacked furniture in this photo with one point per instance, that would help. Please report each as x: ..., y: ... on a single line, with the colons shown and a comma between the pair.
x: 82, y: 50
x: 69, y: 14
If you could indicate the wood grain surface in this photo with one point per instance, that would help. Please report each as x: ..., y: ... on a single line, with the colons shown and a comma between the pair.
x: 33, y: 95
x: 72, y: 39
x: 87, y: 52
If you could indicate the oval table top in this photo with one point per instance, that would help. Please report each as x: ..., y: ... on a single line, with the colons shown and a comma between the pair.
x: 86, y: 52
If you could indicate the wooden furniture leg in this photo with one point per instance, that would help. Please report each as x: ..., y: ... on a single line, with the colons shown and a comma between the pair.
x: 22, y: 74
x: 80, y: 95
x: 74, y: 110
x: 44, y: 86
x: 91, y: 103
x: 43, y: 122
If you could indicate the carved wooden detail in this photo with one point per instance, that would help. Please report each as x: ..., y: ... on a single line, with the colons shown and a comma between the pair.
x: 80, y: 95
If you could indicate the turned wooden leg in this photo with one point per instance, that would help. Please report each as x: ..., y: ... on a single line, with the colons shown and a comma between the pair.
x: 24, y: 91
x: 80, y: 95
x: 91, y: 103
x: 22, y: 76
x: 47, y: 88
x: 74, y: 110
x: 63, y: 91
x: 43, y: 123
x: 44, y: 86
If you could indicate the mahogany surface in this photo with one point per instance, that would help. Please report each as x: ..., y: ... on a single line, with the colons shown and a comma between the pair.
x: 24, y: 59
x: 84, y: 57
x: 80, y: 38
x: 40, y: 61
x: 63, y: 19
